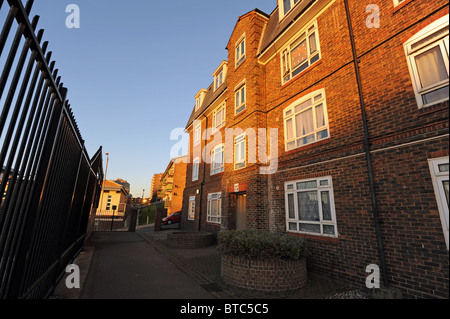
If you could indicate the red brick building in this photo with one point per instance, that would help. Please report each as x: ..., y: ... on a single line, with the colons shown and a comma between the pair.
x: 357, y: 97
x: 172, y: 183
x: 154, y: 186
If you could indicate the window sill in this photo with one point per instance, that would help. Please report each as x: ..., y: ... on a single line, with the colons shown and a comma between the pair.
x: 215, y: 130
x: 424, y: 111
x: 308, y: 146
x: 217, y: 174
x: 316, y: 237
x: 401, y: 5
x: 240, y: 168
x: 295, y: 78
x: 242, y: 62
x: 240, y: 113
x: 214, y: 224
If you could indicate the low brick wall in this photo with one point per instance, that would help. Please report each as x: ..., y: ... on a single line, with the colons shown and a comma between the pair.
x: 190, y: 240
x: 270, y: 276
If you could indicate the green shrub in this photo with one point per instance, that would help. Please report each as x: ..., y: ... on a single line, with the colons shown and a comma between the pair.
x: 261, y: 245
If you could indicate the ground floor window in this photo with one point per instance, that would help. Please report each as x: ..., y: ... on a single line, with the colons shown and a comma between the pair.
x: 191, y: 212
x: 310, y: 207
x: 214, y: 213
x: 439, y: 169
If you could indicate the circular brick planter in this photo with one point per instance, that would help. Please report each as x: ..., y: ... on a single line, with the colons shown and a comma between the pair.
x: 190, y: 240
x: 270, y: 276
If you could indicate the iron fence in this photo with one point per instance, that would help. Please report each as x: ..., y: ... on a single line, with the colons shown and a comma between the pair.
x: 48, y: 184
x: 114, y: 221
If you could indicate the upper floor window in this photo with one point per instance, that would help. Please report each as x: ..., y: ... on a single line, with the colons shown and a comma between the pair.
x: 199, y: 97
x: 219, y: 117
x: 427, y: 56
x: 220, y: 75
x: 240, y: 51
x: 300, y: 53
x: 306, y: 121
x: 217, y: 159
x: 197, y: 133
x: 218, y: 80
x: 240, y: 98
x: 439, y: 169
x: 195, y: 169
x: 287, y: 5
x: 239, y: 151
x: 198, y: 103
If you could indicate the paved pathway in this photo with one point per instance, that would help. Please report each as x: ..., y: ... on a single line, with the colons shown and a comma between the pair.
x: 125, y: 266
x: 121, y: 265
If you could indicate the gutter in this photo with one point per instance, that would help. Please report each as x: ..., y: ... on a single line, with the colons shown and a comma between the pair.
x: 367, y: 150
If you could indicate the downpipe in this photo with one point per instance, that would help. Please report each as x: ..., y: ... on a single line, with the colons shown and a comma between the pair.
x: 367, y: 151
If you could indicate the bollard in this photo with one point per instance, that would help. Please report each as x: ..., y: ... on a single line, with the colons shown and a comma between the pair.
x: 158, y: 217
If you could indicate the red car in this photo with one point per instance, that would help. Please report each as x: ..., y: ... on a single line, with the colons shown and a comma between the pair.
x: 171, y: 219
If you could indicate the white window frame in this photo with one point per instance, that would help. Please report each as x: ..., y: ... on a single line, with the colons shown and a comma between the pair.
x: 438, y: 177
x: 241, y: 47
x: 239, y: 156
x: 218, y: 79
x: 191, y: 209
x: 198, y: 103
x: 287, y: 72
x: 215, y: 168
x: 442, y: 42
x: 291, y: 188
x: 240, y: 106
x: 284, y: 13
x: 195, y: 169
x: 397, y: 2
x: 216, y: 125
x: 216, y: 218
x: 290, y: 113
x: 197, y: 133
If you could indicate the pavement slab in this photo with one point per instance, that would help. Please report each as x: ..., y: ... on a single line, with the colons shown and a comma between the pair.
x: 124, y: 266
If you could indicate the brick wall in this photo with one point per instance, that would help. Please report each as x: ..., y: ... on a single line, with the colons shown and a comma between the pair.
x: 402, y: 138
x: 179, y: 183
x: 270, y: 276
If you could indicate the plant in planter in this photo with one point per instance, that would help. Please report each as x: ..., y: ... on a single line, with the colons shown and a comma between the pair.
x: 263, y: 261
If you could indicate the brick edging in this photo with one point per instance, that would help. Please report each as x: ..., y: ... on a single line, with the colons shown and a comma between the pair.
x: 264, y: 275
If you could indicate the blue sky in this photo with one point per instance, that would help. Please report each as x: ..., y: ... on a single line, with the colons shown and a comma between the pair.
x: 132, y: 70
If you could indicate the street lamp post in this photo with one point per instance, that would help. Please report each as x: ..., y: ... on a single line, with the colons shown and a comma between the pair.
x: 106, y: 171
x: 101, y: 195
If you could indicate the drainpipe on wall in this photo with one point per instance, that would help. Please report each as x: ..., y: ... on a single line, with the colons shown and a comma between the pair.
x: 203, y: 178
x: 367, y: 150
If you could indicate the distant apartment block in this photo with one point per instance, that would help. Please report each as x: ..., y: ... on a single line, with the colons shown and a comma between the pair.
x: 155, y: 185
x: 172, y: 184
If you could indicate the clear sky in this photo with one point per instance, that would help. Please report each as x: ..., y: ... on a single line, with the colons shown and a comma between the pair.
x: 132, y: 70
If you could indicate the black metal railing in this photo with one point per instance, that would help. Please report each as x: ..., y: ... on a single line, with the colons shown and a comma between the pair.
x: 48, y: 184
